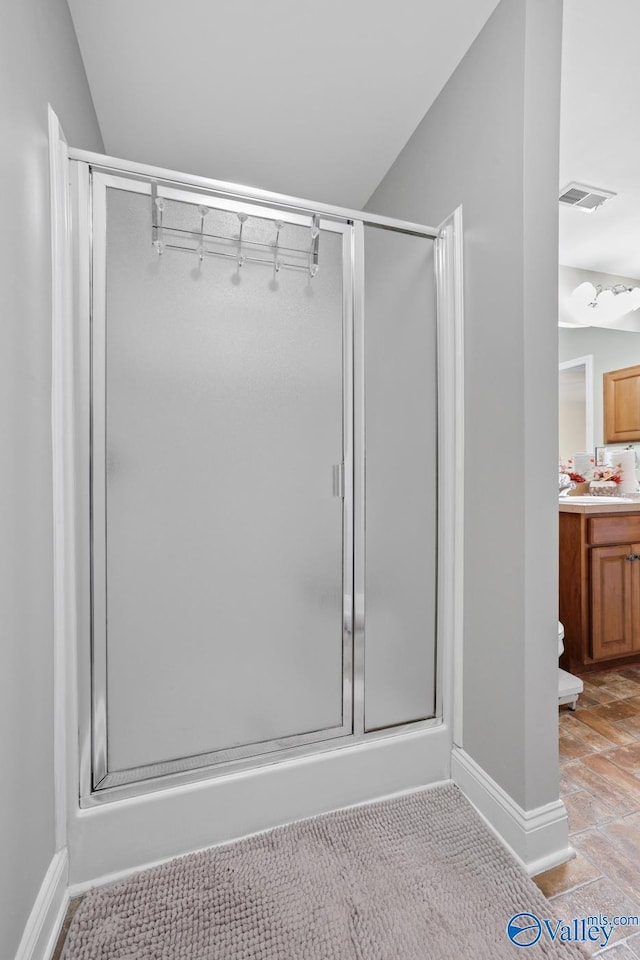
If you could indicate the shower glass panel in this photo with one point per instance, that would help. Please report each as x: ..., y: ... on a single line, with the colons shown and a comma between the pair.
x: 262, y: 457
x: 220, y: 407
x: 400, y: 373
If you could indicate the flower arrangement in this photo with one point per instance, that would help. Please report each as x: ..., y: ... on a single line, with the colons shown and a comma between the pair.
x: 567, y: 467
x: 598, y: 478
x: 608, y: 474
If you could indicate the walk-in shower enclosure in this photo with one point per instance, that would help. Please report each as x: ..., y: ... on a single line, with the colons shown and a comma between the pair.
x: 256, y: 405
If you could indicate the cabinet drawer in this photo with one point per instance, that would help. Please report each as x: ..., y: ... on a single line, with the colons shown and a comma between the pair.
x: 620, y: 529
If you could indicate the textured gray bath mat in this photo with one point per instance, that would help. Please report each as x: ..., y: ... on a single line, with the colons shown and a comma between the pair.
x: 414, y: 878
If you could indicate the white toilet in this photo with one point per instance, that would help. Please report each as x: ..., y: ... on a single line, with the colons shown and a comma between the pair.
x: 569, y: 687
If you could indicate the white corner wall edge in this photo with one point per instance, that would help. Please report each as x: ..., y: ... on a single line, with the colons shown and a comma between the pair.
x: 46, y: 917
x: 64, y: 626
x: 450, y: 292
x: 537, y: 838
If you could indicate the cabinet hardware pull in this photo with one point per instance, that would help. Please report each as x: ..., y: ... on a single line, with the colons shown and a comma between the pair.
x: 632, y: 556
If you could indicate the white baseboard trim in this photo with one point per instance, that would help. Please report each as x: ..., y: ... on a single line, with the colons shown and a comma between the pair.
x: 110, y: 839
x: 80, y: 889
x: 538, y: 839
x: 47, y: 915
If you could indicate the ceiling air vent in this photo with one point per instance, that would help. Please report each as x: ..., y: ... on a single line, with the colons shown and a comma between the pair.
x: 583, y: 197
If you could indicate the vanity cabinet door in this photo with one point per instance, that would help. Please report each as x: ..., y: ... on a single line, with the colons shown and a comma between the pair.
x: 621, y: 401
x: 615, y: 600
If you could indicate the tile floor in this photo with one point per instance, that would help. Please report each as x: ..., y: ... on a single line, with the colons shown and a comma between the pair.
x: 600, y: 786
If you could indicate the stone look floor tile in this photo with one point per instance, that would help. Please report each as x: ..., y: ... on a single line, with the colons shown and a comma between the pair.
x: 597, y: 695
x: 625, y: 686
x: 597, y: 897
x: 610, y: 776
x: 621, y: 869
x: 567, y: 785
x: 585, y: 811
x: 624, y: 833
x: 630, y: 725
x: 619, y: 952
x: 613, y: 692
x: 622, y: 781
x: 573, y: 748
x: 630, y: 672
x: 567, y: 876
x: 586, y: 700
x: 628, y: 758
x: 617, y: 710
x: 574, y: 727
x: 634, y: 703
x: 634, y: 945
x: 599, y: 786
x: 600, y: 678
x: 608, y: 729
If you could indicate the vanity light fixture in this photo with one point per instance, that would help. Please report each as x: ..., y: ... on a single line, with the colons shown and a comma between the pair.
x: 591, y: 303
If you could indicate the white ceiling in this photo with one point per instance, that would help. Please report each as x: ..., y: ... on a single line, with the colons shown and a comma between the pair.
x: 600, y: 133
x: 314, y: 99
x: 317, y: 99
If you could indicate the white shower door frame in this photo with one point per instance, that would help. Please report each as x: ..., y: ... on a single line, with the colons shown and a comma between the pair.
x: 103, y: 777
x: 97, y: 783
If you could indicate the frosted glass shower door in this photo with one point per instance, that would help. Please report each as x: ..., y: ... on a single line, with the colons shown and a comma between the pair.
x: 401, y: 502
x: 218, y: 416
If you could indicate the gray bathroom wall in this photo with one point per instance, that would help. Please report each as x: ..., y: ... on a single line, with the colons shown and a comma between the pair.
x: 39, y: 64
x: 490, y: 143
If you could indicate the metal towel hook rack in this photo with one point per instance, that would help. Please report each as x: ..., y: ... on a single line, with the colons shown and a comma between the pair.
x: 313, y: 246
x: 203, y: 211
x: 242, y: 217
x: 276, y: 262
x: 158, y: 210
x: 243, y: 248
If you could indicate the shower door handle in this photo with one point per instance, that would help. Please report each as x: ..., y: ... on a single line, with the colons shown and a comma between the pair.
x: 347, y: 617
x: 338, y: 480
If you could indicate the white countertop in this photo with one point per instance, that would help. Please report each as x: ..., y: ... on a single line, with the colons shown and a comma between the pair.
x: 609, y: 506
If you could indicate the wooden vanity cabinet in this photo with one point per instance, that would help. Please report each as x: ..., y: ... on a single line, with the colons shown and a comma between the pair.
x: 599, y: 589
x: 615, y: 605
x: 621, y: 405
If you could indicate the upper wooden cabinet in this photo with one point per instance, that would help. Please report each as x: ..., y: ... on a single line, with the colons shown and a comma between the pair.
x: 621, y: 397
